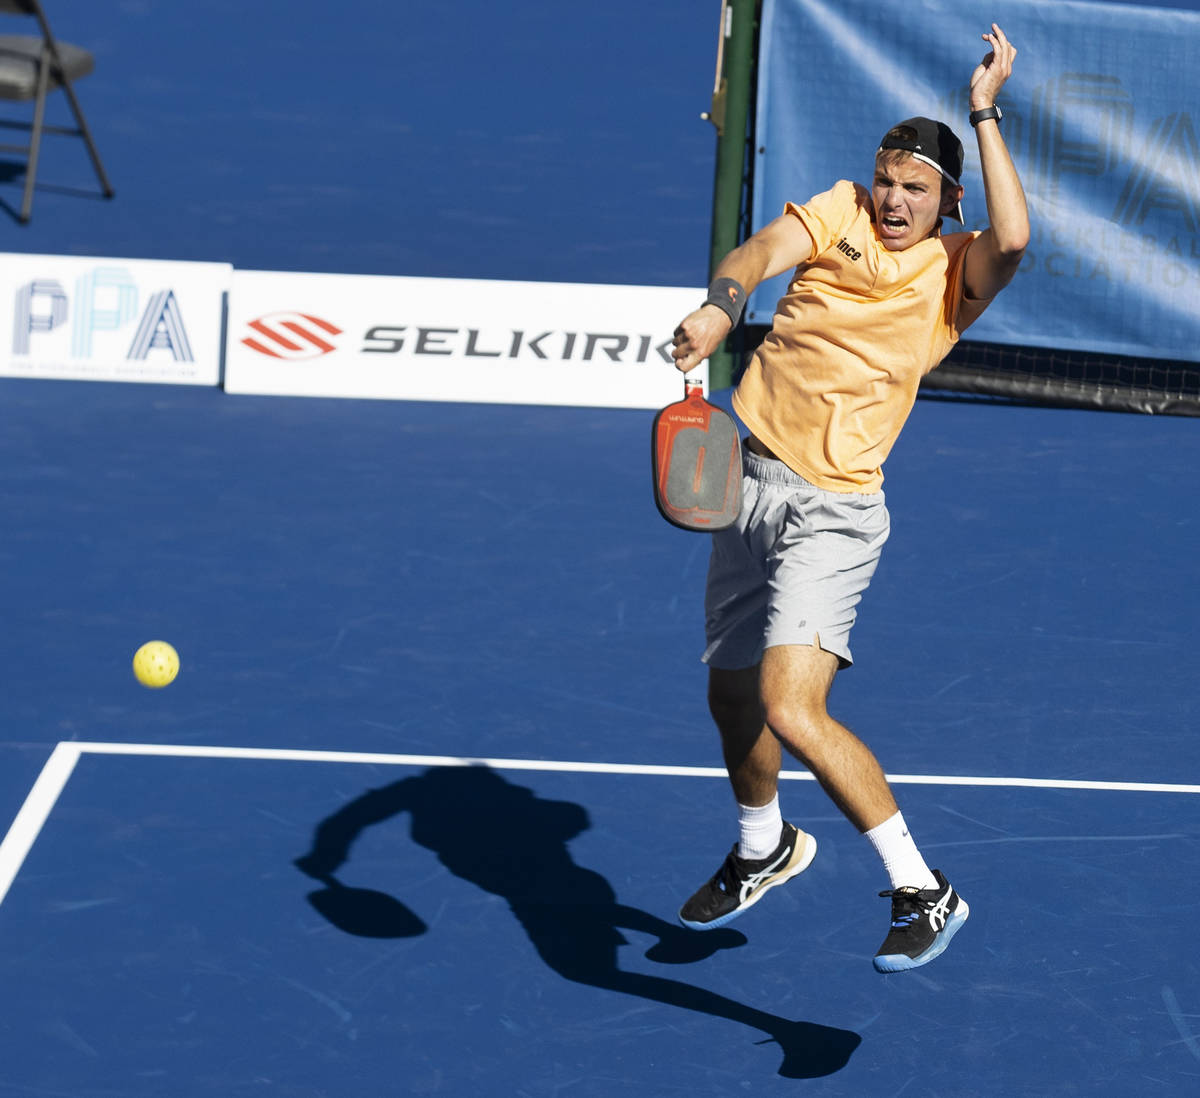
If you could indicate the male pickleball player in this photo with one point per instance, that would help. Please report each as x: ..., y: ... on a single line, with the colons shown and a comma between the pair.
x: 877, y: 299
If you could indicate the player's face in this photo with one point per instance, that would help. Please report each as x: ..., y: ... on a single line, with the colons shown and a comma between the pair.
x: 908, y: 201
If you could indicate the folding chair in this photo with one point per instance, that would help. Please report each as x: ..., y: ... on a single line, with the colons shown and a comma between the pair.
x: 31, y: 66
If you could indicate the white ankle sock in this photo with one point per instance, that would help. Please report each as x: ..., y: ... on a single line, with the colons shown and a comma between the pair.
x: 901, y: 858
x: 761, y: 829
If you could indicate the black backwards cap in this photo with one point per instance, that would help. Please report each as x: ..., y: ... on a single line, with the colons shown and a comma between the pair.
x: 933, y: 143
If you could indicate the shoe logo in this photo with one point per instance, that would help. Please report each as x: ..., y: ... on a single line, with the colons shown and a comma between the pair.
x: 755, y: 879
x: 940, y: 911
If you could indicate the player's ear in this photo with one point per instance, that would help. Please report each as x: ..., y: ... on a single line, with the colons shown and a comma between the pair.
x: 951, y: 197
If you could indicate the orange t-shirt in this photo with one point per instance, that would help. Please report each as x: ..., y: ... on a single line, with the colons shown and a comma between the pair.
x: 836, y: 377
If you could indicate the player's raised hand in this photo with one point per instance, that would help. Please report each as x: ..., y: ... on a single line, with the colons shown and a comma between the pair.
x: 994, y: 70
x: 698, y: 335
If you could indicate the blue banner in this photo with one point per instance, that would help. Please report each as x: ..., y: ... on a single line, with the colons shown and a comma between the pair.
x: 1101, y: 116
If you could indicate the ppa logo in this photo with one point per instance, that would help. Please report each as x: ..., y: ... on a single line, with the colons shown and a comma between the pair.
x: 106, y: 302
x: 291, y: 336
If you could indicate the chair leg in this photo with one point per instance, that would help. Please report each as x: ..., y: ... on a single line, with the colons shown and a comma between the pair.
x: 35, y: 139
x: 87, y: 137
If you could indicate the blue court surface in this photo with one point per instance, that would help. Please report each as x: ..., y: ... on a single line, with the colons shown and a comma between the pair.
x: 437, y: 772
x: 463, y: 138
x: 418, y: 812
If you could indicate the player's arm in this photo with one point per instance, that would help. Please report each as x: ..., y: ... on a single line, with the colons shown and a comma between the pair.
x: 993, y: 258
x: 775, y: 248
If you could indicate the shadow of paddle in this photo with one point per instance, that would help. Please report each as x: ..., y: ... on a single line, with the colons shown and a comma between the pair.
x: 365, y: 912
x: 513, y: 844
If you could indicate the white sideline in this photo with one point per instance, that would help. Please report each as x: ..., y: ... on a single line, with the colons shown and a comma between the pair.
x: 28, y: 823
x: 50, y: 783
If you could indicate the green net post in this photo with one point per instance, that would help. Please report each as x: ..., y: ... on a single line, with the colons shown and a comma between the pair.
x: 730, y: 115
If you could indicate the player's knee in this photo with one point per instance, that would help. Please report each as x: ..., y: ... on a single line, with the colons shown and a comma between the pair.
x: 800, y: 724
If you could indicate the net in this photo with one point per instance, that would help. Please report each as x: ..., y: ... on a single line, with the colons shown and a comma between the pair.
x: 1033, y: 375
x: 1070, y: 379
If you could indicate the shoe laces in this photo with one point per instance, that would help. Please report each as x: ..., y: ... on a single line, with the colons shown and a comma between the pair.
x: 727, y: 879
x: 907, y: 905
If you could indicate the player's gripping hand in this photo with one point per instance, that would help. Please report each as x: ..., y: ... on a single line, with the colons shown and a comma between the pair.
x: 994, y: 70
x: 698, y: 335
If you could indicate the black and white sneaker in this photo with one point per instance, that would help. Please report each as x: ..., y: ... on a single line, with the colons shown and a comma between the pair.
x: 923, y: 922
x: 741, y: 882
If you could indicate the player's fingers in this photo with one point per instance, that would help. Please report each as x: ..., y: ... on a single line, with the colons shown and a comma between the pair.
x: 684, y: 333
x: 683, y: 350
x: 689, y: 355
x: 1007, y: 50
x: 997, y: 65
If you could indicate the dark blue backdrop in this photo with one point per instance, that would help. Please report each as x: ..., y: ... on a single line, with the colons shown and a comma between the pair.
x: 545, y: 141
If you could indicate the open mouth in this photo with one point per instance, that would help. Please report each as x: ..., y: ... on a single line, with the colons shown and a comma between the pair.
x: 894, y: 224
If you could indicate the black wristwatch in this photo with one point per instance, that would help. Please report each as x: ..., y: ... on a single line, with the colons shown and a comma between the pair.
x: 983, y: 114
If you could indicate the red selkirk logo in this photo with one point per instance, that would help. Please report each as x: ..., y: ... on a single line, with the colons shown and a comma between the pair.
x: 291, y: 336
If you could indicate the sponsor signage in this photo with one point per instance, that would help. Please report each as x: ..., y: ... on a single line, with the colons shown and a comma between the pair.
x: 454, y: 339
x: 111, y: 319
x: 1102, y: 122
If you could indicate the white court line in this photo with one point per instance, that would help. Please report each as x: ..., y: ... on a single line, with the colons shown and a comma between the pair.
x: 288, y: 755
x: 28, y: 824
x: 53, y: 779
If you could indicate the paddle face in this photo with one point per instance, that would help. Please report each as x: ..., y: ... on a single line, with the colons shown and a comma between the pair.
x: 697, y: 458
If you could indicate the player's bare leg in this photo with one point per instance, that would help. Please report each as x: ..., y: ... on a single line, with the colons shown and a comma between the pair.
x: 752, y: 757
x: 926, y: 911
x: 751, y: 751
x: 794, y: 687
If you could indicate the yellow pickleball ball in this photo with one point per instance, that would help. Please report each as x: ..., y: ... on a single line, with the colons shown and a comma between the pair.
x: 156, y: 664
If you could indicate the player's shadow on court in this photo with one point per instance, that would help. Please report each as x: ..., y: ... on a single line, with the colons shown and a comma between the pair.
x: 512, y: 843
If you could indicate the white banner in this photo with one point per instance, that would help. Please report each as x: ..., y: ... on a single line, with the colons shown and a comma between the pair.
x: 98, y: 319
x: 454, y: 339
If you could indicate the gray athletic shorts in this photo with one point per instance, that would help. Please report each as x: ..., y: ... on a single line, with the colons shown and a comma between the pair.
x: 793, y: 567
